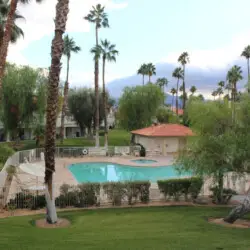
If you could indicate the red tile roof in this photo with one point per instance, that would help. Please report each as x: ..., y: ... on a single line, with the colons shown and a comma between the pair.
x: 164, y: 130
x: 180, y: 111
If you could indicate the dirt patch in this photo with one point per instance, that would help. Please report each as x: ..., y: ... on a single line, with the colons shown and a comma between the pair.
x: 61, y: 223
x: 237, y: 224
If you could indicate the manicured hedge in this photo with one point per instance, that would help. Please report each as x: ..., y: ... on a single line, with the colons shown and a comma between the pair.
x: 174, y: 188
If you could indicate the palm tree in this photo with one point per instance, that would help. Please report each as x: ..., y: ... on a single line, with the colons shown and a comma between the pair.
x: 9, y: 24
x: 62, y: 10
x: 193, y: 89
x: 142, y: 71
x: 173, y: 92
x: 16, y: 31
x: 219, y: 92
x: 162, y: 82
x: 184, y: 59
x: 246, y: 54
x: 151, y: 70
x: 69, y: 47
x: 221, y: 84
x: 109, y: 53
x: 97, y: 16
x: 233, y: 76
x: 214, y: 94
x: 177, y: 73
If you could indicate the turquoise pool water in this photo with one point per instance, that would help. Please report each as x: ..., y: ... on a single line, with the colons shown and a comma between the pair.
x: 103, y: 172
x: 143, y: 161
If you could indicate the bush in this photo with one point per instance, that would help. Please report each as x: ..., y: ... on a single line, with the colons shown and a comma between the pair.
x: 78, y: 196
x: 5, y: 153
x: 116, y: 192
x: 227, y: 194
x: 88, y: 194
x: 174, y: 188
x: 26, y: 200
x: 136, y: 190
x: 142, y: 150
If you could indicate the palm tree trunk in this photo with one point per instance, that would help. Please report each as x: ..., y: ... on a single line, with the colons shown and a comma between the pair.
x: 6, y: 39
x: 184, y: 89
x: 248, y: 77
x: 62, y: 10
x: 173, y: 102
x: 177, y: 98
x: 65, y: 99
x: 142, y: 79
x: 1, y: 36
x: 104, y: 104
x: 97, y: 115
x: 149, y: 78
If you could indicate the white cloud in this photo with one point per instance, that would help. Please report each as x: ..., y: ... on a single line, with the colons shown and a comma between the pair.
x: 39, y: 22
x: 216, y: 58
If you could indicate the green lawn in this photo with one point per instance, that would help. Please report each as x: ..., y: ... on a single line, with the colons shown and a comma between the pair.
x: 117, y: 137
x: 136, y: 228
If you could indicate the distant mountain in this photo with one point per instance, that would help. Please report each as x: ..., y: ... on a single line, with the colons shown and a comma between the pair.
x: 204, y: 79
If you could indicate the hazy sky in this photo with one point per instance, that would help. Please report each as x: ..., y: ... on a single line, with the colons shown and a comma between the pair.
x: 214, y: 33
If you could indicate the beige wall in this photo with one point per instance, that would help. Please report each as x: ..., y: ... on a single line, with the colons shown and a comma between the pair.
x: 164, y: 144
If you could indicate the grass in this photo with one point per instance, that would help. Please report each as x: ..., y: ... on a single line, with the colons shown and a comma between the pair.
x: 117, y: 137
x: 136, y: 228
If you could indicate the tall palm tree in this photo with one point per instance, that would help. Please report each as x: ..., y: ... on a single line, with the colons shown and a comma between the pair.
x: 246, y: 54
x: 16, y: 31
x: 62, y: 10
x: 7, y: 34
x: 173, y: 92
x: 151, y: 70
x: 184, y: 59
x: 228, y: 87
x: 233, y: 76
x: 142, y: 71
x: 97, y: 16
x: 214, y: 94
x: 178, y: 73
x: 109, y: 53
x: 221, y: 84
x: 219, y: 91
x: 162, y: 82
x: 69, y: 47
x: 193, y: 89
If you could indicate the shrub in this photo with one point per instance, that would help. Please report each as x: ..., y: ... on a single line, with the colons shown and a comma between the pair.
x: 174, y: 188
x: 88, y: 194
x: 5, y: 153
x: 136, y: 190
x: 25, y: 200
x: 227, y: 194
x: 142, y: 150
x: 116, y: 192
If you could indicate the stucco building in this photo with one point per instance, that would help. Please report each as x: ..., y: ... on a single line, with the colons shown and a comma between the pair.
x: 163, y: 139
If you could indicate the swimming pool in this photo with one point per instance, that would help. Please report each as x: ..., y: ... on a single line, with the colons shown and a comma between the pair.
x: 103, y: 172
x: 144, y: 161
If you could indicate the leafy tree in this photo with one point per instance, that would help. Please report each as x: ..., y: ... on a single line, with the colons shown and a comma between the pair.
x: 209, y: 151
x: 142, y: 71
x: 81, y: 102
x: 138, y: 105
x: 97, y: 16
x: 69, y: 47
x: 164, y: 115
x: 193, y: 89
x: 173, y: 92
x: 9, y: 24
x: 62, y: 10
x: 246, y: 53
x: 184, y: 59
x: 109, y: 53
x: 23, y: 95
x: 179, y: 74
x: 151, y: 70
x: 16, y: 30
x: 214, y: 94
